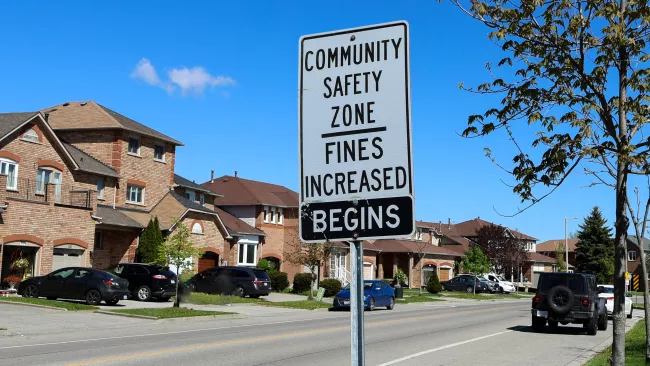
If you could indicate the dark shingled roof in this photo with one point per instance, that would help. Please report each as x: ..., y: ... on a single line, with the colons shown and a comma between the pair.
x: 9, y: 121
x: 190, y: 204
x: 236, y: 226
x: 410, y: 246
x: 239, y: 191
x: 184, y: 182
x: 89, y: 164
x: 132, y: 125
x: 110, y: 216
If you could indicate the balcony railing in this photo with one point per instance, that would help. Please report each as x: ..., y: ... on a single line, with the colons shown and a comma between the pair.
x: 59, y: 194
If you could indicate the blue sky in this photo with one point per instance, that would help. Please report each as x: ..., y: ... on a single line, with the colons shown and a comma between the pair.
x: 222, y: 78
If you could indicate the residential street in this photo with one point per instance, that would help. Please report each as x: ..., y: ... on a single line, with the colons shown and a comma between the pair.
x: 494, y: 333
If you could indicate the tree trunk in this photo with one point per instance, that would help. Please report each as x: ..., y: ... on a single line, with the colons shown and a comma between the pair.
x: 177, y: 300
x: 646, y: 299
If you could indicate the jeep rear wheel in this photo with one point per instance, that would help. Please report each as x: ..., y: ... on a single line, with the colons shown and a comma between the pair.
x: 592, y: 326
x: 538, y: 324
x: 602, y: 321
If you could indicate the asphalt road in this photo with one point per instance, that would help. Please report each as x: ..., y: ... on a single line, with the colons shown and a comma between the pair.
x: 437, y: 334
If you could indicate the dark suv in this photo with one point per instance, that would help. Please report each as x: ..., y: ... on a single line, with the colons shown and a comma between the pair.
x: 148, y: 281
x: 237, y: 281
x: 568, y: 298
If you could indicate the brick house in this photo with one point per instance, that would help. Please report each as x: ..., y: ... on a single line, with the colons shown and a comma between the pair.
x: 270, y: 208
x: 79, y: 182
x: 548, y: 247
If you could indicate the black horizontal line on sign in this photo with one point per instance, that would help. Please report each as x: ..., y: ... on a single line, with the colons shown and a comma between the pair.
x: 353, y: 132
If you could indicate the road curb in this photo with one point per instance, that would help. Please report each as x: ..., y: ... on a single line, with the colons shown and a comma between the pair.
x: 32, y: 305
x: 126, y: 315
x: 204, y: 317
x: 597, y: 349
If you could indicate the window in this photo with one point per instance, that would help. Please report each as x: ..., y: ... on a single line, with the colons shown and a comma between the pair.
x: 159, y: 153
x: 99, y: 241
x: 190, y: 195
x: 134, y: 146
x: 272, y: 215
x: 83, y: 273
x: 31, y: 135
x: 418, y: 235
x: 266, y: 214
x: 202, y: 199
x: 63, y: 273
x: 100, y: 188
x: 631, y: 255
x: 197, y: 228
x: 46, y: 176
x: 10, y: 169
x: 247, y: 254
x: 140, y: 270
x: 280, y: 216
x: 134, y: 194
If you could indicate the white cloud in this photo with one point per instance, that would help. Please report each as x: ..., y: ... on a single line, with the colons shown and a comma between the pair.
x: 195, y: 79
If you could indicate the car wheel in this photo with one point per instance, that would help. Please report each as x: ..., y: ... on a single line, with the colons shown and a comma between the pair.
x: 469, y: 289
x: 51, y: 298
x: 93, y: 297
x: 371, y: 304
x: 629, y: 316
x: 391, y: 303
x: 552, y: 324
x: 31, y: 291
x: 143, y: 293
x: 602, y: 321
x: 112, y: 302
x: 592, y: 326
x: 538, y: 324
x: 239, y: 292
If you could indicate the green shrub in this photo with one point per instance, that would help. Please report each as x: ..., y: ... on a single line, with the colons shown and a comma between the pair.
x: 279, y: 280
x: 302, y: 282
x: 401, y: 277
x: 263, y: 264
x: 434, y: 286
x: 332, y: 286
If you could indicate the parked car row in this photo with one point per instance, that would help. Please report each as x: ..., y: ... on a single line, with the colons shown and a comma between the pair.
x: 488, y: 283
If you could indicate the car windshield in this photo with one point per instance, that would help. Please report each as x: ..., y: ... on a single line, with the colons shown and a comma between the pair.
x: 261, y: 274
x: 482, y: 279
x: 367, y: 285
x: 500, y: 278
x: 606, y: 289
x: 573, y: 281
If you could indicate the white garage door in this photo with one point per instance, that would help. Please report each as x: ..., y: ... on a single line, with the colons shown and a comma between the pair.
x: 367, y: 271
x: 67, y: 258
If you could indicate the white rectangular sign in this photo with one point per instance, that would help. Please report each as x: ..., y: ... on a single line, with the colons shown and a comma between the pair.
x: 355, y: 134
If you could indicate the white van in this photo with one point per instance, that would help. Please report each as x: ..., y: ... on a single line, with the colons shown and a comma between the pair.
x: 503, y: 285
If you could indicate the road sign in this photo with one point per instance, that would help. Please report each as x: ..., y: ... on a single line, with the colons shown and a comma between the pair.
x: 627, y: 276
x: 355, y: 134
x: 635, y: 282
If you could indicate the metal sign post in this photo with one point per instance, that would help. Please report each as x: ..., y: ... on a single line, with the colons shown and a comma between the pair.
x: 356, y: 303
x: 356, y: 166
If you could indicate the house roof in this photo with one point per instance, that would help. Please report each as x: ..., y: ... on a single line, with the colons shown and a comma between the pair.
x: 190, y: 204
x: 186, y: 183
x: 470, y: 227
x: 90, y: 115
x: 410, y: 246
x: 238, y: 191
x: 236, y: 226
x: 646, y: 242
x: 11, y: 121
x: 116, y: 217
x: 537, y: 257
x: 448, y: 230
x: 89, y: 164
x: 549, y: 245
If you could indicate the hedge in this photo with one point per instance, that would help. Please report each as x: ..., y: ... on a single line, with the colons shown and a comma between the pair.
x: 302, y: 282
x: 332, y: 286
x: 279, y: 280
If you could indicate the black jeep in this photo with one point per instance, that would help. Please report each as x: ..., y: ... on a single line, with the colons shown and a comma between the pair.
x: 568, y: 298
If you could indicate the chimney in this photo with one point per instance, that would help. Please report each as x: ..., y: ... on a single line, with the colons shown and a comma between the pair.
x: 235, y: 174
x: 449, y: 223
x: 211, y: 176
x: 440, y: 225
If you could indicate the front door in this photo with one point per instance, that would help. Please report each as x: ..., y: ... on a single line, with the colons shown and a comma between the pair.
x: 337, y: 266
x: 53, y: 284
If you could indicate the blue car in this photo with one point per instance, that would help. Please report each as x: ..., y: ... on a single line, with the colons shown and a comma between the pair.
x: 375, y: 293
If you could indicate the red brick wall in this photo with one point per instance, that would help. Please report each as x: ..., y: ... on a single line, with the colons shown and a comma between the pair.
x: 212, y: 237
x: 97, y: 143
x: 119, y: 246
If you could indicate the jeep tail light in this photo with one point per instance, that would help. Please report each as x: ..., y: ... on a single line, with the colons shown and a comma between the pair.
x: 585, y: 301
x: 160, y: 277
x: 537, y: 299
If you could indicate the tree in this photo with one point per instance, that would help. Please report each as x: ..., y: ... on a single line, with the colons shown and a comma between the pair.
x: 433, y: 285
x: 559, y: 257
x: 421, y: 247
x: 150, y: 242
x: 595, y: 248
x: 313, y: 256
x: 503, y: 250
x: 573, y: 80
x: 476, y: 262
x: 176, y: 251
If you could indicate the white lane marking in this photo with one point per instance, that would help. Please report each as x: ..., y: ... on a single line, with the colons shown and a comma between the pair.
x: 155, y: 334
x: 441, y: 348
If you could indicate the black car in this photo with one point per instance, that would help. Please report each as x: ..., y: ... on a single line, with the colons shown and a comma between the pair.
x: 237, y: 281
x: 147, y: 281
x: 568, y: 298
x: 465, y: 283
x: 88, y: 284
